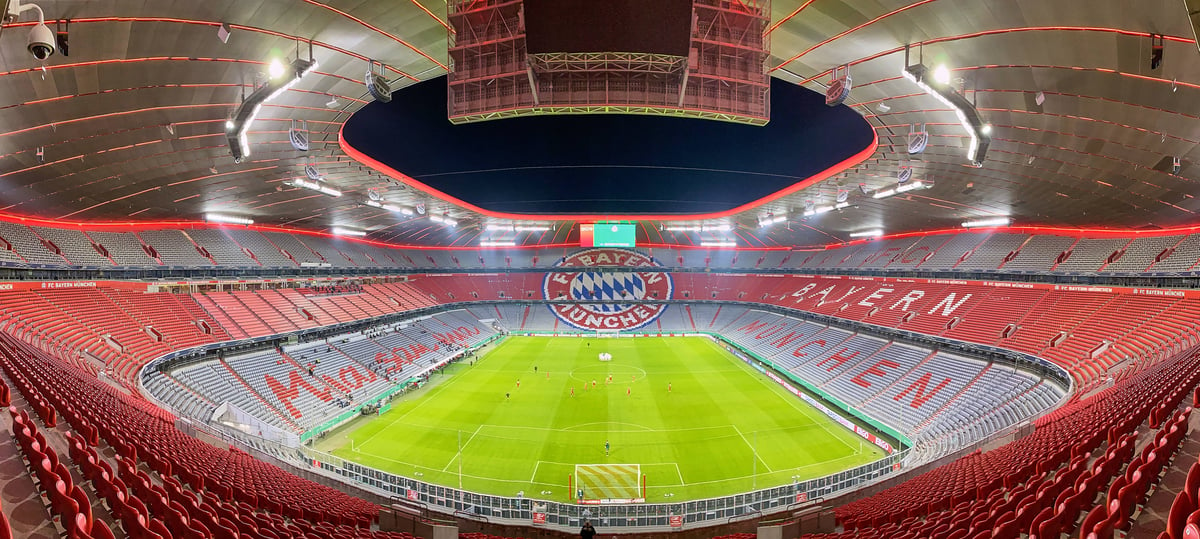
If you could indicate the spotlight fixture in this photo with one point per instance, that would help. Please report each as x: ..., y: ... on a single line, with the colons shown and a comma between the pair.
x: 688, y: 228
x: 339, y: 231
x: 276, y: 69
x: 875, y: 233
x: 839, y: 86
x: 991, y: 221
x: 389, y: 207
x: 883, y: 107
x: 243, y: 116
x: 230, y: 219
x: 769, y: 220
x: 938, y: 86
x: 223, y: 32
x: 918, y: 139
x: 941, y: 74
x: 884, y: 193
x: 718, y: 244
x: 443, y: 220
x: 319, y: 187
x: 495, y: 243
x: 333, y: 103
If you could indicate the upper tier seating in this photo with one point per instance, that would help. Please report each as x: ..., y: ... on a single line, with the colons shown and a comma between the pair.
x: 1038, y: 253
x: 174, y: 248
x: 222, y: 249
x: 124, y: 248
x: 29, y: 246
x: 242, y: 247
x: 74, y: 246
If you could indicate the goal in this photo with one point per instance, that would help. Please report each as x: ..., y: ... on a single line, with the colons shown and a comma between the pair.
x: 609, y: 483
x: 608, y: 333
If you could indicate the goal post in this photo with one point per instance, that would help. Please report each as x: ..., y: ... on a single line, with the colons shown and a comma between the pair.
x: 608, y: 333
x: 609, y: 483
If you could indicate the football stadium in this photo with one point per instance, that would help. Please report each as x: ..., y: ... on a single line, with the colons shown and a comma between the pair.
x: 500, y: 269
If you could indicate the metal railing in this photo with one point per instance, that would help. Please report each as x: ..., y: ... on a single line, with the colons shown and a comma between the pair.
x: 521, y: 510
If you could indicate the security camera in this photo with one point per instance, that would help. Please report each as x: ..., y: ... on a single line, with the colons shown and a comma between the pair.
x: 41, y: 38
x: 41, y: 42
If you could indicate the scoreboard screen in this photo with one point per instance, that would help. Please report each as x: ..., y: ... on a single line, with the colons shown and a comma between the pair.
x: 607, y: 234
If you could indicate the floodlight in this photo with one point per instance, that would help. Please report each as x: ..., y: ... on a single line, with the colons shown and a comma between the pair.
x: 992, y: 221
x: 231, y: 219
x: 339, y: 231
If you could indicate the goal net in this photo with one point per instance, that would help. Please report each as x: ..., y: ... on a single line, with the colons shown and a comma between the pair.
x: 608, y: 333
x: 609, y: 483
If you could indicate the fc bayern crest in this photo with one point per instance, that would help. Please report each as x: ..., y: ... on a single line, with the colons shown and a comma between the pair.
x: 608, y: 286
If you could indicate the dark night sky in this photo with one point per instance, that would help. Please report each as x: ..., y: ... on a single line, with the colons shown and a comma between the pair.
x: 607, y: 163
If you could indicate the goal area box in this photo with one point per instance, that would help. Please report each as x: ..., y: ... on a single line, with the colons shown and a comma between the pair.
x: 609, y: 483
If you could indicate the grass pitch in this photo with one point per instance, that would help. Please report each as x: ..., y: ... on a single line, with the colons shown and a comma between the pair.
x: 477, y: 427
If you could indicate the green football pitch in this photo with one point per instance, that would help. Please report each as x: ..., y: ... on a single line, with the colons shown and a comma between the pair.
x: 694, y: 420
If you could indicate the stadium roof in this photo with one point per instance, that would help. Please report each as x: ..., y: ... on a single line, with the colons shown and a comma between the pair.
x: 130, y: 125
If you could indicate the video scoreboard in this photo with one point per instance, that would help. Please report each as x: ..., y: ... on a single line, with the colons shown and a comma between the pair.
x: 608, y: 234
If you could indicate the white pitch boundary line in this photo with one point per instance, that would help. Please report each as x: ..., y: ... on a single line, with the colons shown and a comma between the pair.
x: 807, y: 410
x: 517, y: 481
x: 458, y: 455
x: 752, y: 449
x: 424, y: 400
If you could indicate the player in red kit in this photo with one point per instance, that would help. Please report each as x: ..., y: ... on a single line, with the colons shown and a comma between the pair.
x: 628, y: 391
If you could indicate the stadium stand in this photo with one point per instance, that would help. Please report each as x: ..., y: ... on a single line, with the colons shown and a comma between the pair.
x: 77, y: 248
x: 261, y: 249
x: 300, y: 386
x: 222, y: 249
x: 989, y: 254
x: 22, y: 245
x: 1140, y: 254
x: 123, y: 248
x: 173, y: 248
x: 202, y: 487
x: 1093, y: 332
x: 1038, y: 253
x: 29, y: 246
x: 1001, y: 492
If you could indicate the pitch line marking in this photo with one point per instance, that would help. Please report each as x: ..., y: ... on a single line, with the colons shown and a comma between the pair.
x: 752, y: 449
x: 806, y: 410
x: 458, y: 455
x: 438, y: 389
x: 573, y: 427
x: 517, y: 481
